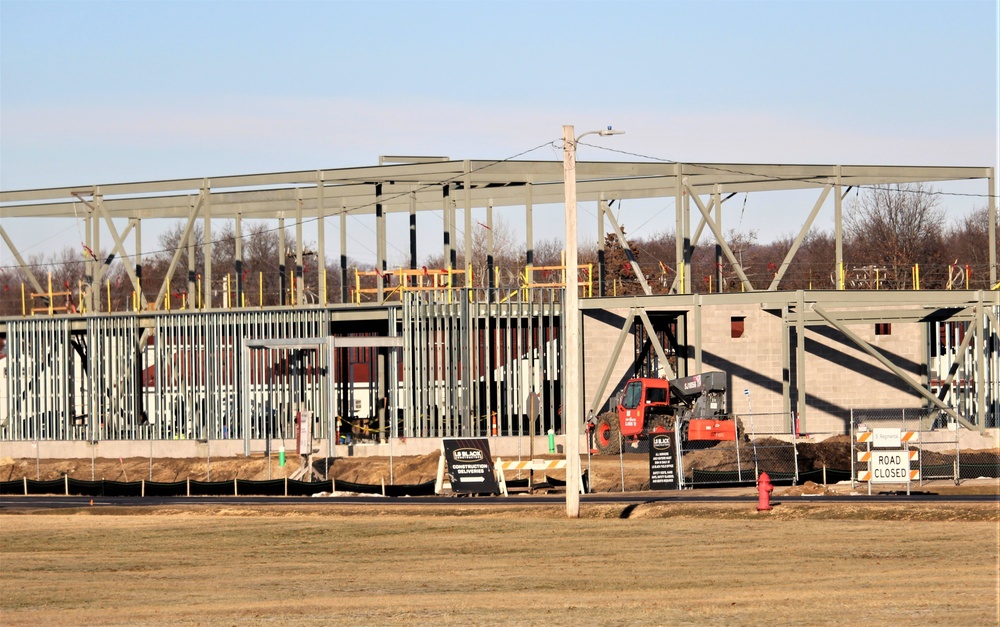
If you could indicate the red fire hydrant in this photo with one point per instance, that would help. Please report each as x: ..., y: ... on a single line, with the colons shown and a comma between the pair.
x: 764, y: 489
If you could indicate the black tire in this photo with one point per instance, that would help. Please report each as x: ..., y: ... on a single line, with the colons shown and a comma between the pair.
x: 661, y: 424
x: 607, y: 434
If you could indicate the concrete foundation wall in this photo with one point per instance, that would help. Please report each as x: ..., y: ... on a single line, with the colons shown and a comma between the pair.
x: 506, y: 447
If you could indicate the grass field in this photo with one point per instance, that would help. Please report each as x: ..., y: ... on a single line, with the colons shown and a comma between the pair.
x: 327, y: 564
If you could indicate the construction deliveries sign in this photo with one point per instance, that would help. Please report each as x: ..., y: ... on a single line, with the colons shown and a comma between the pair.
x: 470, y: 465
x: 662, y: 469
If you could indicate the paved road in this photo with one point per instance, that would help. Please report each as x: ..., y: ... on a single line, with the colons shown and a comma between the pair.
x: 63, y: 502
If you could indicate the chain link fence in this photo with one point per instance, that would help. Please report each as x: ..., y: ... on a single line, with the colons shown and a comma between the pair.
x: 933, y: 442
x: 769, y: 443
x: 764, y: 443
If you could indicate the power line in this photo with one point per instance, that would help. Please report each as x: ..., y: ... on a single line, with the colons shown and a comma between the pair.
x: 816, y: 179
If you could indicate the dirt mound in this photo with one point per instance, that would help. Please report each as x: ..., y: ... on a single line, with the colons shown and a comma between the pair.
x: 375, y: 470
x: 770, y: 453
x: 808, y: 488
x: 833, y: 452
x: 367, y: 470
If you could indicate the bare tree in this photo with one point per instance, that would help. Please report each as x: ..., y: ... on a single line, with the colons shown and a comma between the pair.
x: 895, y: 227
x: 968, y: 249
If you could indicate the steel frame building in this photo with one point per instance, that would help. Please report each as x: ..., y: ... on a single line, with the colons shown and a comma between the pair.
x: 52, y: 358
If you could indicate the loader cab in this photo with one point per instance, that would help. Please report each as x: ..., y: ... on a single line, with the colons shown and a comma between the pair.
x: 638, y: 397
x: 632, y: 397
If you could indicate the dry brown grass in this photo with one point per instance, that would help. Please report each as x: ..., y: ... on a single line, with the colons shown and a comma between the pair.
x: 325, y: 564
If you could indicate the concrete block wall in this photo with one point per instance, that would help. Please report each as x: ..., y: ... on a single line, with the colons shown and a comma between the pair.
x: 752, y: 361
x: 839, y: 376
x: 599, y: 339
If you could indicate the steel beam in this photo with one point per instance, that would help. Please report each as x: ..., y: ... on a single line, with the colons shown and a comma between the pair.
x: 896, y: 370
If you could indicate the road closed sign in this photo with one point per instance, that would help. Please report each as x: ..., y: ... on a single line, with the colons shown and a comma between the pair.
x: 888, y: 467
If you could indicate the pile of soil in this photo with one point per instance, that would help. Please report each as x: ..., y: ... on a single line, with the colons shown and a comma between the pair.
x: 608, y: 473
x: 775, y: 455
x: 832, y: 452
x: 808, y: 488
x: 366, y: 470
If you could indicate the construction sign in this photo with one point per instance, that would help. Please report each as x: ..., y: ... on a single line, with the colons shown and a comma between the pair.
x: 470, y: 465
x: 662, y: 467
x: 889, y: 466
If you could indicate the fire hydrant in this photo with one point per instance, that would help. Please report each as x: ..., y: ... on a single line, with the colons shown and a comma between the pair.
x: 764, y: 489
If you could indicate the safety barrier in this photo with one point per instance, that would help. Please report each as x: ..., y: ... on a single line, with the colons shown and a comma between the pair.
x: 586, y: 285
x: 501, y: 466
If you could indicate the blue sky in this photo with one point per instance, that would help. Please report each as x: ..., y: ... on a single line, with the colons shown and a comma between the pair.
x: 101, y: 92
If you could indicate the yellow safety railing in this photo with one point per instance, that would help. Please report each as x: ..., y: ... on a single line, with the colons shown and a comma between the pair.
x: 402, y: 280
x: 51, y: 308
x: 530, y: 282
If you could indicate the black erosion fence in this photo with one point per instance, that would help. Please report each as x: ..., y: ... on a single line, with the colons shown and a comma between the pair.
x: 68, y: 486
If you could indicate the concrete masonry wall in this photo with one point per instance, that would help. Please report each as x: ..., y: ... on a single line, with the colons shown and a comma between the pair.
x: 839, y: 376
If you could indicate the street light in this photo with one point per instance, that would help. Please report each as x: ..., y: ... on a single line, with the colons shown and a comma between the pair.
x: 572, y: 403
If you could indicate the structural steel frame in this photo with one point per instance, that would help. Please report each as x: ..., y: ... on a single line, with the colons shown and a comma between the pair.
x: 978, y: 310
x: 410, y: 185
x: 415, y: 184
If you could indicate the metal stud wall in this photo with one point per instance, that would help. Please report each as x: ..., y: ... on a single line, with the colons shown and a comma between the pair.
x: 474, y: 363
x: 115, y: 403
x: 978, y: 368
x: 467, y: 369
x: 202, y: 379
x: 42, y: 383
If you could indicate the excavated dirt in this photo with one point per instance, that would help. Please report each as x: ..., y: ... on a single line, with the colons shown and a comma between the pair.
x: 368, y: 470
x: 607, y: 473
x: 779, y: 456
